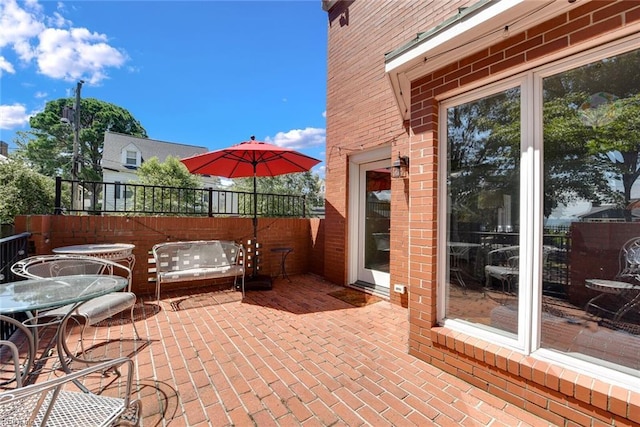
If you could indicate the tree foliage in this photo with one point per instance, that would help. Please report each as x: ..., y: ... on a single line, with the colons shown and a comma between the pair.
x: 305, y: 184
x: 484, y: 154
x: 591, y: 125
x: 48, y: 145
x: 23, y: 191
x: 176, y: 186
x: 592, y: 114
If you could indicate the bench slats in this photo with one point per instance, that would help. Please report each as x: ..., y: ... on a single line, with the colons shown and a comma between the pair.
x: 197, y: 260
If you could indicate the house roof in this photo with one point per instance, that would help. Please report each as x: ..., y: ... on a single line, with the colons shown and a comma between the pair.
x: 608, y: 211
x: 115, y: 142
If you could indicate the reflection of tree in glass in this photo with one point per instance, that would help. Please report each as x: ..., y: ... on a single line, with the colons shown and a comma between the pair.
x: 586, y: 149
x: 484, y: 154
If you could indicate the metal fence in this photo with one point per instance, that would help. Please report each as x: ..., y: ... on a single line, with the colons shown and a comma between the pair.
x: 96, y: 197
x: 556, y: 267
x: 12, y: 249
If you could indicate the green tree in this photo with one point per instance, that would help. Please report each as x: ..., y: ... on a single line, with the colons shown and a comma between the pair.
x: 594, y: 110
x: 294, y: 184
x: 23, y: 191
x: 48, y: 145
x: 177, y: 189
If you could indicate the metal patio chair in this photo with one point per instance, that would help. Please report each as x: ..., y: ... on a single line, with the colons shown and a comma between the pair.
x: 502, y: 265
x: 15, y: 359
x: 82, y: 398
x: 20, y: 368
x: 92, y: 311
x: 625, y: 286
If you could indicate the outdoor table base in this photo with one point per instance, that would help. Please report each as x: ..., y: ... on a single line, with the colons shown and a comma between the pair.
x: 283, y: 267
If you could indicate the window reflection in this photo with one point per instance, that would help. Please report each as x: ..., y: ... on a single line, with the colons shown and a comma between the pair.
x: 378, y: 210
x: 483, y: 149
x: 588, y: 273
x: 591, y: 292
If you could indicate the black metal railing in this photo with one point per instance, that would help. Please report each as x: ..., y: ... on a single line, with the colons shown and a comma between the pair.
x: 12, y: 249
x: 96, y: 197
x: 558, y: 239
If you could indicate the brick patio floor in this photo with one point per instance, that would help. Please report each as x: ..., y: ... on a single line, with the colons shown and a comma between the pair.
x: 287, y: 357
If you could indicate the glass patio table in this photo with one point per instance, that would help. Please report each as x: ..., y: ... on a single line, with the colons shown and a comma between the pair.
x: 35, y: 295
x: 111, y: 251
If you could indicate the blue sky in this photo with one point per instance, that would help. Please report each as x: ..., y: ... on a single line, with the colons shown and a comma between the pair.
x: 206, y: 73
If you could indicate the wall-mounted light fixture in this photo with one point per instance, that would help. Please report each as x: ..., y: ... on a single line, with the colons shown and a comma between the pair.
x: 400, y: 167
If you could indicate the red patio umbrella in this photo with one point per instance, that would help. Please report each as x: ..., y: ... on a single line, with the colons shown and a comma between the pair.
x: 250, y: 158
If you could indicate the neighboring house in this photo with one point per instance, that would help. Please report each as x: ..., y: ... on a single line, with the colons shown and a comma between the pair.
x: 609, y: 213
x: 123, y: 155
x: 458, y: 91
x: 4, y: 150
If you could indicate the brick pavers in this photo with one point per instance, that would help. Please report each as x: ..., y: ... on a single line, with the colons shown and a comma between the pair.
x: 290, y: 356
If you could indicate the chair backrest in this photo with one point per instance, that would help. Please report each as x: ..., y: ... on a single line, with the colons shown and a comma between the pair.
x: 41, y: 266
x: 15, y: 357
x: 504, y: 256
x: 629, y: 259
x: 174, y: 256
x: 74, y: 398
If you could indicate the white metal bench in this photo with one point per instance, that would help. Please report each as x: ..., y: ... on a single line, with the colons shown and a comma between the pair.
x: 198, y: 260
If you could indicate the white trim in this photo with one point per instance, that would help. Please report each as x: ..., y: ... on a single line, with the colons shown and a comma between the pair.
x: 131, y: 147
x: 477, y: 23
x: 355, y: 160
x: 487, y: 333
x: 527, y: 260
x: 466, y: 36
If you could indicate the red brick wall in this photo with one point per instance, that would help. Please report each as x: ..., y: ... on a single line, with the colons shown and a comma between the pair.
x: 304, y: 235
x: 559, y: 395
x: 362, y: 114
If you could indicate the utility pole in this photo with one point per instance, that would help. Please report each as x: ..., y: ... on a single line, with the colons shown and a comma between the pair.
x: 75, y: 161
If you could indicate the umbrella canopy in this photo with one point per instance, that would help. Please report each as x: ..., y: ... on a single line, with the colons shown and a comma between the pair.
x: 250, y: 158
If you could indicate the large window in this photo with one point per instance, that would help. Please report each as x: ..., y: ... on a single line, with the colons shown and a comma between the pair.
x: 542, y: 203
x: 483, y: 169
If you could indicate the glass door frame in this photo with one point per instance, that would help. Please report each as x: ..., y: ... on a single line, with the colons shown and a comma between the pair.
x: 356, y: 209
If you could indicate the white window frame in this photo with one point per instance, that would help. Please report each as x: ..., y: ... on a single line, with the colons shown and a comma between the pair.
x: 489, y: 334
x: 531, y: 217
x: 133, y: 158
x: 124, y: 155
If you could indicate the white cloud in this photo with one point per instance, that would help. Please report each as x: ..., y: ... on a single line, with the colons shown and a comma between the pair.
x: 18, y: 26
x: 299, y: 138
x: 324, y: 114
x: 13, y: 116
x: 75, y: 54
x: 57, y: 20
x: 6, y: 66
x: 60, y: 50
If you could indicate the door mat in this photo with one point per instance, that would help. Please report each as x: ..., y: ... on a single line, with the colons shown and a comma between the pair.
x: 355, y: 298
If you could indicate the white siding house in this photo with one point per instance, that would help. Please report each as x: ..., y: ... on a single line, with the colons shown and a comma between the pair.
x: 123, y: 154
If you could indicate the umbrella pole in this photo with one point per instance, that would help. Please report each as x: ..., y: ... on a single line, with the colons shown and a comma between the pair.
x: 255, y: 223
x: 257, y: 281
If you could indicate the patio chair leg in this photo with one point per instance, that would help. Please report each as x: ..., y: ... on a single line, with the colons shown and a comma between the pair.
x: 135, y: 328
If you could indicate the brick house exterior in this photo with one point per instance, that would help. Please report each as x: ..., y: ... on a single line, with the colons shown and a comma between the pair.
x: 390, y: 64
